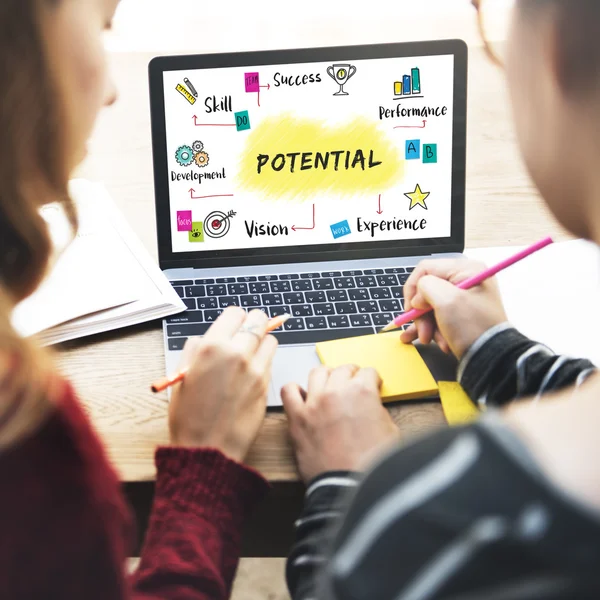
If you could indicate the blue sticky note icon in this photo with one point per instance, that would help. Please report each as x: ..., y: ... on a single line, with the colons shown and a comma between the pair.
x: 413, y: 149
x: 340, y: 229
x: 242, y: 120
x: 429, y: 153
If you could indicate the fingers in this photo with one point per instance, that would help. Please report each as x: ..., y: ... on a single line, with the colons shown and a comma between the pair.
x: 413, y: 333
x: 453, y: 270
x: 317, y: 380
x: 438, y: 293
x: 251, y: 334
x: 293, y: 402
x: 226, y: 325
x: 425, y: 328
x: 370, y: 377
x: 439, y: 268
x: 263, y: 359
x: 410, y: 287
x: 409, y: 335
x: 341, y: 375
x: 190, y: 353
x: 419, y: 302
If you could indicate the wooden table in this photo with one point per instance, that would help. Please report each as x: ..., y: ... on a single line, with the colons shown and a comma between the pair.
x: 112, y: 371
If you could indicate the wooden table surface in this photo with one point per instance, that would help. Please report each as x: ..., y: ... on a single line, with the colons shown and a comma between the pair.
x: 112, y: 371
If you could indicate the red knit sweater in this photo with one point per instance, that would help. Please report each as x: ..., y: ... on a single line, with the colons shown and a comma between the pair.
x: 65, y: 529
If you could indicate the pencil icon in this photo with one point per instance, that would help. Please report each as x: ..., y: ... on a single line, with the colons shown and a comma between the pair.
x: 183, y: 91
x: 191, y: 86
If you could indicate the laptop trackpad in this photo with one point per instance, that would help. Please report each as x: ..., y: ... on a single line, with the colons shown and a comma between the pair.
x: 291, y: 364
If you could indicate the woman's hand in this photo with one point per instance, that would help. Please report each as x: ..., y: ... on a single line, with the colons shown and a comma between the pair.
x: 222, y: 401
x: 460, y: 317
x: 340, y: 423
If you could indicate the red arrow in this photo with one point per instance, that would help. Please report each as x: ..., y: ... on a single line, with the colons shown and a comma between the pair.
x: 413, y: 126
x: 211, y: 124
x: 202, y: 197
x: 294, y: 228
x: 379, y: 211
x: 268, y: 86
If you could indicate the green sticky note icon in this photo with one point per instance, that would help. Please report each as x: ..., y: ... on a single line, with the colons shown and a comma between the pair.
x: 197, y: 232
x: 429, y: 153
x: 242, y: 120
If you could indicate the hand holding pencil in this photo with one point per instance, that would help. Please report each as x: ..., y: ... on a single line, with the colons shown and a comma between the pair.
x: 459, y: 316
x: 225, y: 375
x: 162, y: 384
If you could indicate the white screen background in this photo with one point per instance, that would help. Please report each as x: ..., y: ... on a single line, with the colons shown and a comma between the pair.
x: 370, y: 88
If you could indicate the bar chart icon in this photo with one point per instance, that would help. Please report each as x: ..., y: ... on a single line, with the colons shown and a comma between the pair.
x: 416, y: 81
x: 409, y: 86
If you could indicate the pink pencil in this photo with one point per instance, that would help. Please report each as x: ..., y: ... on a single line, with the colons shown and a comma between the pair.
x: 413, y: 314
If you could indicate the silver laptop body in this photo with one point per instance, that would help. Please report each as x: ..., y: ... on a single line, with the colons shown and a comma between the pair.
x: 351, y: 283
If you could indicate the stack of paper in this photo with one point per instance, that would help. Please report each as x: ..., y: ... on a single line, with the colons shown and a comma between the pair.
x: 102, y: 280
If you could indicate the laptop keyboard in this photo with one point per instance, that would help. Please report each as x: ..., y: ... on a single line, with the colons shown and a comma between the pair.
x: 324, y: 305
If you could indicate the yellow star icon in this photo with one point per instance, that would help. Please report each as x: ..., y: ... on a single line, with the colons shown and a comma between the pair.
x: 418, y: 198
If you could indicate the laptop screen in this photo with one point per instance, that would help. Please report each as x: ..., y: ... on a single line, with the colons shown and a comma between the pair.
x: 305, y: 156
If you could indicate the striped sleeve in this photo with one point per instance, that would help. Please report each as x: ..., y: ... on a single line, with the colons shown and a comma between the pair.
x: 325, y: 497
x: 504, y: 365
x: 433, y: 522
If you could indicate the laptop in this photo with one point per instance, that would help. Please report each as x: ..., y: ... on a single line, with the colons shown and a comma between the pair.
x: 308, y: 182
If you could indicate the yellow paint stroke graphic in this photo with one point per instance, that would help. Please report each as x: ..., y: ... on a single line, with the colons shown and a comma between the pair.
x: 288, y: 157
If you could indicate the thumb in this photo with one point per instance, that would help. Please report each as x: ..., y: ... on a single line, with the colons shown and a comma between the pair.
x: 435, y: 293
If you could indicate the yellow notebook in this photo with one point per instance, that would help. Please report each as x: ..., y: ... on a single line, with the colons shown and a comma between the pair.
x: 405, y: 375
x: 458, y: 407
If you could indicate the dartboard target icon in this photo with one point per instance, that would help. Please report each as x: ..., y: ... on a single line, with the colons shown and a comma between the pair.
x: 217, y: 224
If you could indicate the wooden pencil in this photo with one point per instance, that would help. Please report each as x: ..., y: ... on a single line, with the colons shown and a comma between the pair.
x: 166, y: 382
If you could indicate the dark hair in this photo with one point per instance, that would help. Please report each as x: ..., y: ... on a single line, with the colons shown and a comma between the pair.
x: 31, y: 146
x: 578, y: 23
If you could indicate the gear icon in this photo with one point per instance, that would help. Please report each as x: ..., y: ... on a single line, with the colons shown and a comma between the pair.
x: 198, y: 146
x: 201, y: 159
x: 184, y: 156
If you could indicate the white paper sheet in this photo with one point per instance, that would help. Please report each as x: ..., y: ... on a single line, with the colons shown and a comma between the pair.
x: 90, y: 275
x: 554, y: 295
x: 104, y: 279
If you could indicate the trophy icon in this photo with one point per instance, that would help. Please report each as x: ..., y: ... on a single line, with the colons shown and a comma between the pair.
x: 341, y: 74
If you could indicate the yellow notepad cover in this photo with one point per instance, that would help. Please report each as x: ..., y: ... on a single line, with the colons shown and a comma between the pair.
x: 458, y: 407
x: 404, y: 373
